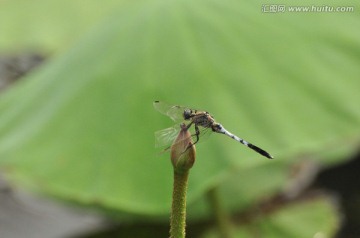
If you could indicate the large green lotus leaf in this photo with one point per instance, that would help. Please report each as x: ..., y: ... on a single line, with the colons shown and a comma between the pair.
x: 82, y: 126
x: 314, y: 218
x: 48, y: 25
x: 243, y: 188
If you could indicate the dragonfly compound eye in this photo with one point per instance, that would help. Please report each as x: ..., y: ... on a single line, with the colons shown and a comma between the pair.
x: 187, y: 114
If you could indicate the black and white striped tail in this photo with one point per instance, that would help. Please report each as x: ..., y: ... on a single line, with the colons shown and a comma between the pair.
x: 221, y: 129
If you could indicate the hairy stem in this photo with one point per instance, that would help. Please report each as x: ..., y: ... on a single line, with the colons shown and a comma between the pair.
x: 178, y: 212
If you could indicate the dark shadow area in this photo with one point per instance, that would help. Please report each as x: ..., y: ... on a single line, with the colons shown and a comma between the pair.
x: 344, y: 181
x: 145, y: 230
x: 15, y: 66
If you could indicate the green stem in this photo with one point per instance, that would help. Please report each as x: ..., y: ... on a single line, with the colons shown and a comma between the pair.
x: 222, y: 220
x: 178, y: 208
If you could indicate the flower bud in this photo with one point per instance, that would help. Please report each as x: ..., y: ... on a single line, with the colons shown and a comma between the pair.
x: 183, y: 151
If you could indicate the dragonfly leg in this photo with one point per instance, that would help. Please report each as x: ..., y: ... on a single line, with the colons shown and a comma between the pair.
x: 188, y: 126
x: 197, y: 133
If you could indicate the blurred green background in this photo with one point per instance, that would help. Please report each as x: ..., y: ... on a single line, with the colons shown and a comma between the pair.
x: 80, y: 128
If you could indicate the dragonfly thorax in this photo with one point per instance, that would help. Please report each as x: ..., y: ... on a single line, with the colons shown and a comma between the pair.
x: 204, y: 119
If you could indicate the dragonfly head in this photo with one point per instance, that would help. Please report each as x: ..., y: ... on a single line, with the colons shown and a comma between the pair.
x: 187, y: 114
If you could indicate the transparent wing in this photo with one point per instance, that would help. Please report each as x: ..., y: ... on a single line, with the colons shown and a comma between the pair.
x: 174, y: 112
x: 166, y: 137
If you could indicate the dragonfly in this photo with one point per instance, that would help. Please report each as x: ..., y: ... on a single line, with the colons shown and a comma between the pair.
x: 202, y: 122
